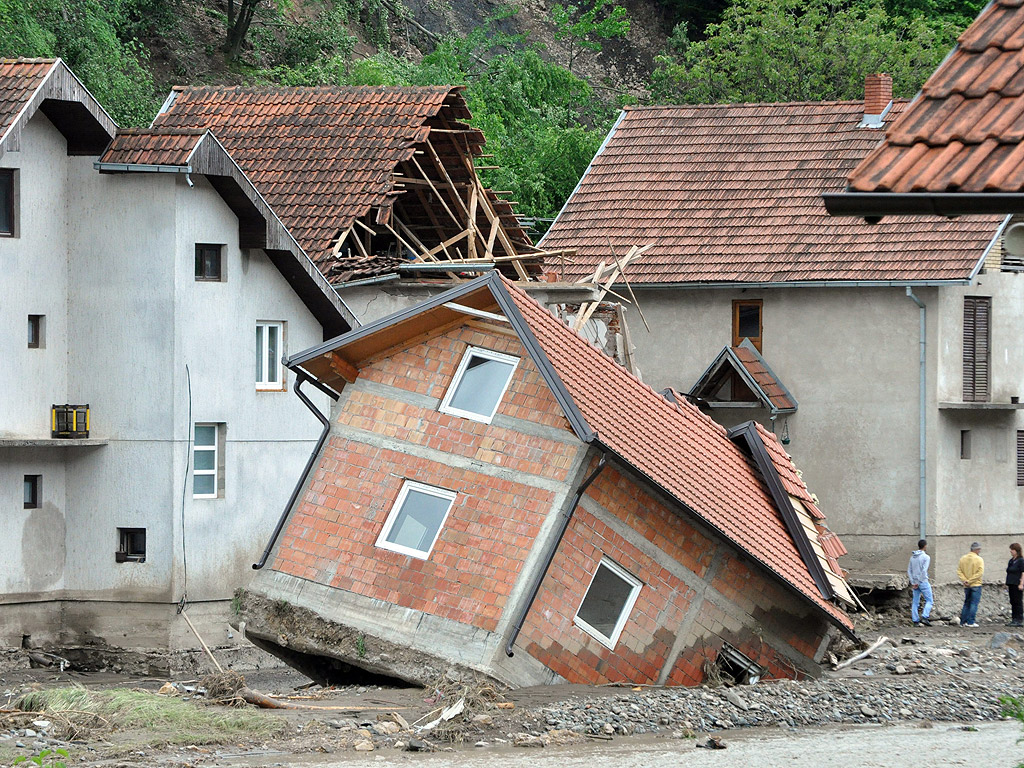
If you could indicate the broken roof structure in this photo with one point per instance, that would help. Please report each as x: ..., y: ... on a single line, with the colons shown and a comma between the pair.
x: 371, y: 180
x: 730, y: 194
x: 739, y: 487
x: 959, y: 147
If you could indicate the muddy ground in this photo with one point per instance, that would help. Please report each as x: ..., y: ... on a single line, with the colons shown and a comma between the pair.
x: 930, y: 696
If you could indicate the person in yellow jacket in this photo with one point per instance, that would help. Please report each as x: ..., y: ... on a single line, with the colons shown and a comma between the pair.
x: 969, y: 570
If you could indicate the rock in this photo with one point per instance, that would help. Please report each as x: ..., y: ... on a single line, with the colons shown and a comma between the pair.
x: 360, y: 690
x: 42, y: 725
x: 480, y: 744
x: 484, y: 720
x: 394, y: 717
x: 608, y: 729
x: 867, y: 711
x: 900, y: 669
x: 364, y: 734
x: 526, y: 740
x: 30, y: 734
x: 1002, y: 640
x: 387, y: 728
x: 364, y: 746
x: 416, y: 745
x: 736, y: 700
x: 906, y: 713
x: 168, y: 689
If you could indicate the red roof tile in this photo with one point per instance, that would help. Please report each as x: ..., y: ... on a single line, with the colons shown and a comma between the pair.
x: 19, y: 79
x: 323, y: 156
x: 680, y: 449
x: 152, y: 147
x: 759, y: 371
x: 732, y: 193
x: 965, y: 131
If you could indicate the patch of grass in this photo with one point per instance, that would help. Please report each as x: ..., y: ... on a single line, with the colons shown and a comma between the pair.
x: 165, y: 719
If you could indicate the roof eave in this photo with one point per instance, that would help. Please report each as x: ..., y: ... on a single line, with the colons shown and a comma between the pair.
x: 875, y: 205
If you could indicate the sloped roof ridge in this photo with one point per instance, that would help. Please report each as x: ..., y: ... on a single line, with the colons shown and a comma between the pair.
x: 28, y: 60
x: 859, y: 103
x: 162, y: 131
x: 282, y: 89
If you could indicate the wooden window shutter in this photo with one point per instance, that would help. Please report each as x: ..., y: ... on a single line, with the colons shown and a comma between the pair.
x: 1020, y: 457
x: 977, y: 333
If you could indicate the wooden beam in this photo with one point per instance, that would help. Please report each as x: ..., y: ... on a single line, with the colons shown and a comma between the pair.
x: 342, y: 367
x: 446, y: 243
x: 444, y: 172
x: 440, y: 197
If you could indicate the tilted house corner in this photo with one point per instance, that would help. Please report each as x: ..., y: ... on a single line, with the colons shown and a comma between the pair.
x: 498, y: 495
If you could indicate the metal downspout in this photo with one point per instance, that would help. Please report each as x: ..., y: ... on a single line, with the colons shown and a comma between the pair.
x: 535, y: 587
x: 922, y: 416
x: 301, y: 379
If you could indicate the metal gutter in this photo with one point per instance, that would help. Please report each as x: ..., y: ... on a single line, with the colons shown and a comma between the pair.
x: 140, y: 168
x: 549, y: 557
x: 748, y: 431
x: 992, y: 244
x: 922, y: 415
x: 366, y: 281
x: 448, y: 266
x: 302, y: 378
x: 873, y: 206
x: 579, y: 183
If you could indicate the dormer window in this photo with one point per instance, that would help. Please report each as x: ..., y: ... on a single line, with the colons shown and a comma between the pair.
x: 479, y: 384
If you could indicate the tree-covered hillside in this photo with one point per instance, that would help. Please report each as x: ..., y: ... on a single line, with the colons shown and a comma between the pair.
x: 544, y: 81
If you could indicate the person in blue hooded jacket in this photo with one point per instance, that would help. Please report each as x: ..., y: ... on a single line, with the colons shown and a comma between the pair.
x: 917, y: 571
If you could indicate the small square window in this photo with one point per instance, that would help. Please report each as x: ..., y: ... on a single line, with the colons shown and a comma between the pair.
x: 965, y: 443
x: 746, y: 322
x: 416, y: 519
x: 479, y: 384
x: 208, y: 262
x: 207, y: 461
x: 131, y: 545
x: 269, y: 350
x: 36, y: 327
x: 7, y: 199
x: 33, y: 491
x: 608, y: 602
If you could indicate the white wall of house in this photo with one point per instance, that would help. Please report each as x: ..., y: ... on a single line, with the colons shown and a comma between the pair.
x: 109, y: 259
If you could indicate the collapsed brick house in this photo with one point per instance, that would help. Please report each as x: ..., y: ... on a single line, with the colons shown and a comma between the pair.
x: 495, y: 494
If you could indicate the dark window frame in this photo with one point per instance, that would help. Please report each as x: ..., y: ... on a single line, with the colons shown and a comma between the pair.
x: 35, y: 500
x: 965, y: 444
x: 36, y: 329
x: 131, y: 545
x: 739, y: 304
x: 202, y: 275
x: 9, y: 177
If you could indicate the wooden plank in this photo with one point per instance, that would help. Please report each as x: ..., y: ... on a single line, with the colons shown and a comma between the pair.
x: 444, y: 172
x: 342, y: 367
x: 440, y: 197
x: 446, y: 243
x: 471, y: 245
x: 341, y: 241
x: 489, y: 251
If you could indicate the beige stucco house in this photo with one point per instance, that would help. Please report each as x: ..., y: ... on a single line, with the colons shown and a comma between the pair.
x: 885, y: 356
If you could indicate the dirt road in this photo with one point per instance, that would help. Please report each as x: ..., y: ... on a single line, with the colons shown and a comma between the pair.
x: 992, y: 745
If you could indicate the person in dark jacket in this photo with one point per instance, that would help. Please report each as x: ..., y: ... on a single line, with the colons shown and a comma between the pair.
x: 1015, y: 586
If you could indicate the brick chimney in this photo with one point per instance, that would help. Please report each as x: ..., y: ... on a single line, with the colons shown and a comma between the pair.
x: 877, y: 98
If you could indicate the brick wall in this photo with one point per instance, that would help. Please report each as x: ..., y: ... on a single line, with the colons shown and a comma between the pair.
x: 494, y: 520
x: 717, y: 598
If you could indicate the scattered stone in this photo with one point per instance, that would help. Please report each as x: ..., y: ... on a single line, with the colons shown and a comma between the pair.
x: 483, y: 720
x: 867, y: 711
x: 1002, y: 640
x: 364, y: 746
x: 608, y: 729
x: 527, y: 740
x: 394, y: 717
x: 900, y: 669
x: 387, y: 728
x: 417, y: 745
x: 736, y: 700
x: 30, y: 734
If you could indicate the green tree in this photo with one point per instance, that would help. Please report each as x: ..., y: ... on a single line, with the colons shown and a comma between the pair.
x: 801, y: 50
x: 583, y: 29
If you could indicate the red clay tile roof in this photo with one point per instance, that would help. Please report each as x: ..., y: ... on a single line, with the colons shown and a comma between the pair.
x: 759, y: 371
x: 732, y: 193
x: 680, y: 449
x: 965, y: 130
x: 19, y: 79
x: 152, y: 147
x: 323, y: 156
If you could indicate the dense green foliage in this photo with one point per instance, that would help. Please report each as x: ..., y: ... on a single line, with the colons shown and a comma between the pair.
x: 801, y: 50
x: 97, y: 40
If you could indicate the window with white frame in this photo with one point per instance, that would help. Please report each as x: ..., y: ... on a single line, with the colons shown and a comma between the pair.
x: 269, y: 349
x: 608, y: 602
x: 207, y: 458
x: 416, y: 520
x: 479, y: 384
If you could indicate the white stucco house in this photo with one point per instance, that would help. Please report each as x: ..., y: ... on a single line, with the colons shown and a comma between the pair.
x: 144, y: 277
x: 886, y: 356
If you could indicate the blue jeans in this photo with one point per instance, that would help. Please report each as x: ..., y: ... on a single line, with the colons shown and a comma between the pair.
x: 924, y: 589
x: 972, y: 596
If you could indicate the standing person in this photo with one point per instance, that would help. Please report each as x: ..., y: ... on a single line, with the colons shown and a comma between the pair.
x: 969, y: 570
x: 1015, y: 586
x: 917, y: 571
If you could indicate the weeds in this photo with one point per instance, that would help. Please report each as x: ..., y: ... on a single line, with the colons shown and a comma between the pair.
x: 42, y: 758
x: 77, y: 712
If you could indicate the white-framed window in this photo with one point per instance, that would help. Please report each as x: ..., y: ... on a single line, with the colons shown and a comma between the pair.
x: 480, y: 382
x: 269, y: 349
x: 416, y: 519
x: 608, y: 602
x: 206, y: 461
